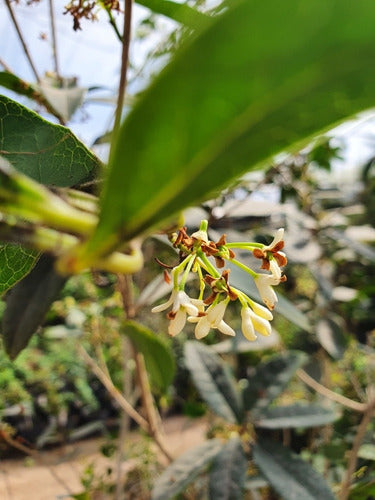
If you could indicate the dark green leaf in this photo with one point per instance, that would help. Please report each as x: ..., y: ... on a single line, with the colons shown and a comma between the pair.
x: 14, y: 83
x: 363, y: 490
x: 288, y: 474
x: 332, y: 338
x: 48, y: 153
x: 28, y: 302
x: 263, y: 77
x: 15, y: 262
x: 244, y: 282
x: 184, y: 470
x: 271, y: 378
x: 213, y: 381
x: 159, y: 359
x: 297, y: 415
x: 228, y: 472
x: 180, y: 12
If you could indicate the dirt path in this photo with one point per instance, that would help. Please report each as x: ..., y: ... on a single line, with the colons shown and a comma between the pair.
x: 64, y: 466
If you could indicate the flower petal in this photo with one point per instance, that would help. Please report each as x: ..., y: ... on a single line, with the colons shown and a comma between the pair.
x: 261, y: 311
x: 177, y: 323
x: 226, y: 329
x: 203, y: 328
x: 247, y: 324
x: 167, y: 304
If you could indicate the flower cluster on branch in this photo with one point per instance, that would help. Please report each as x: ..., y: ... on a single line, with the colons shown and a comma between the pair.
x: 205, y: 258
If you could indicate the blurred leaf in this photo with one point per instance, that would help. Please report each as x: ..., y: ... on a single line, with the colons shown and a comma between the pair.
x: 363, y: 490
x: 367, y: 451
x: 360, y: 248
x: 15, y: 263
x: 28, y: 302
x: 47, y: 153
x: 158, y: 356
x: 331, y: 338
x: 184, y: 470
x: 296, y: 415
x: 213, y: 381
x: 271, y: 378
x: 240, y: 344
x: 228, y: 102
x: 228, y: 472
x: 180, y: 12
x: 14, y: 83
x: 323, y: 153
x: 288, y: 474
x: 244, y: 282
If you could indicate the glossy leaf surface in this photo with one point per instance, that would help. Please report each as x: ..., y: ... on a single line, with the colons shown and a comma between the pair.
x: 296, y: 415
x: 15, y: 262
x: 159, y: 358
x: 263, y: 77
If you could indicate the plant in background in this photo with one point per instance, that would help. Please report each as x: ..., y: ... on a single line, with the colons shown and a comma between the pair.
x: 224, y: 105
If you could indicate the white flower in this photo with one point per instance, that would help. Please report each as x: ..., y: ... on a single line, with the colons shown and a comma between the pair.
x: 252, y: 323
x: 279, y: 236
x: 212, y: 319
x: 182, y: 305
x: 261, y: 311
x: 264, y: 283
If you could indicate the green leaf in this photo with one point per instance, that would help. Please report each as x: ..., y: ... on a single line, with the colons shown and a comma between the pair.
x: 331, y: 338
x: 363, y: 490
x: 228, y: 102
x: 288, y: 474
x: 213, y: 381
x: 47, y: 153
x: 159, y: 359
x: 14, y: 83
x: 271, y: 378
x: 184, y: 470
x: 228, y: 472
x: 367, y: 451
x: 28, y: 302
x: 244, y: 282
x: 296, y: 415
x: 180, y: 12
x: 15, y: 262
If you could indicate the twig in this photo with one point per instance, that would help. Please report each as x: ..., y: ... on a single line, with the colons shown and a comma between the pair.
x: 112, y: 22
x: 5, y: 66
x: 20, y: 36
x: 54, y: 42
x: 124, y: 64
x: 353, y: 456
x: 113, y: 391
x: 324, y: 391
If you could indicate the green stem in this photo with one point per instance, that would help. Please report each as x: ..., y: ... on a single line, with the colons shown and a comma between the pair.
x: 207, y: 265
x: 190, y: 262
x: 245, y: 245
x: 239, y: 264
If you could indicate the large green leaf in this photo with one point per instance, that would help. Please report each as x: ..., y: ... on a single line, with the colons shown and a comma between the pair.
x: 297, y: 415
x: 263, y: 77
x: 15, y: 262
x: 180, y: 12
x: 331, y: 337
x: 213, y: 381
x: 228, y: 472
x: 184, y: 470
x: 48, y: 153
x: 159, y: 358
x: 270, y: 379
x: 289, y: 475
x: 27, y: 303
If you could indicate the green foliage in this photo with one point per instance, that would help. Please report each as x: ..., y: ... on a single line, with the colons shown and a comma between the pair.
x: 15, y: 261
x: 261, y: 94
x: 228, y: 472
x: 289, y: 475
x: 159, y: 359
x: 296, y: 415
x: 213, y: 381
x: 180, y: 12
x: 184, y: 470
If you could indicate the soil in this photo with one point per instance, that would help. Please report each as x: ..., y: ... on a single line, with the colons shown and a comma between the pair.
x: 58, y: 472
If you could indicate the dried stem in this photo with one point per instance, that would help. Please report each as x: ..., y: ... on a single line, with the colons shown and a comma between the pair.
x: 5, y: 66
x: 353, y: 456
x: 324, y: 391
x: 124, y: 64
x: 54, y: 42
x: 20, y: 36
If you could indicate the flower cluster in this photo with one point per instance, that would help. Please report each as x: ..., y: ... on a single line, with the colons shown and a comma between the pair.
x: 199, y: 255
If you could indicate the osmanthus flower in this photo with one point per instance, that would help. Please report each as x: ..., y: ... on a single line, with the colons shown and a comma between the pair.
x: 255, y: 322
x: 264, y: 283
x: 212, y: 319
x: 272, y: 258
x: 182, y: 305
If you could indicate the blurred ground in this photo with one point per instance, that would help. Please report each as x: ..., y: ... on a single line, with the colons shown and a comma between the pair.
x: 21, y: 479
